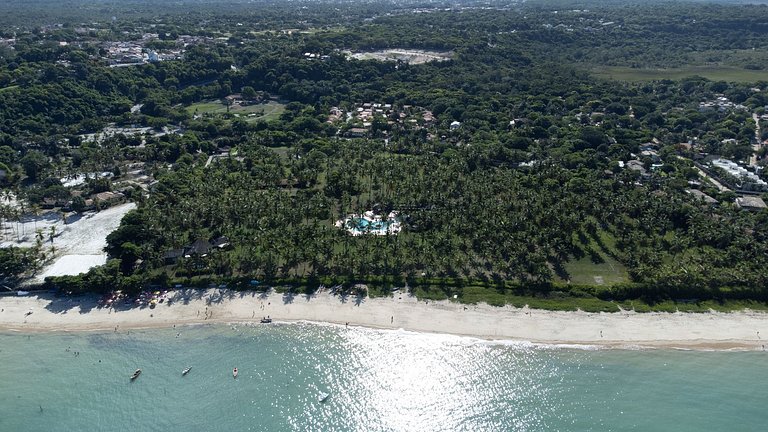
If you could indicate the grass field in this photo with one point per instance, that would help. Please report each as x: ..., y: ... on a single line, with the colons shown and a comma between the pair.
x: 715, y: 73
x: 585, y: 271
x: 597, y: 266
x: 266, y: 111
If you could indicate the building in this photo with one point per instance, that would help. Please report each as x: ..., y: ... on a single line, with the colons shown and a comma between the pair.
x: 751, y: 203
x: 221, y: 242
x: 455, y: 125
x: 172, y: 256
x: 747, y: 180
x: 701, y: 196
x: 357, y: 132
x: 200, y: 247
x: 636, y: 165
x: 110, y: 197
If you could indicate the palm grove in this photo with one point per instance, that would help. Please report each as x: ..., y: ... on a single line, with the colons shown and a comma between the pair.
x: 526, y: 197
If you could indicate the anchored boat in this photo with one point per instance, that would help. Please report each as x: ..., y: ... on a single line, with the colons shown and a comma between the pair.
x: 322, y: 396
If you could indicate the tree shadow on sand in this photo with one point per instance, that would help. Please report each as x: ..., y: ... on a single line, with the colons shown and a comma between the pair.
x: 62, y: 305
x: 288, y: 297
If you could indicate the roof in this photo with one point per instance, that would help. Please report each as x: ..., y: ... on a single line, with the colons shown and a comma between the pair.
x: 751, y: 202
x: 173, y: 254
x: 220, y: 242
x: 106, y: 196
x: 701, y: 196
x: 635, y: 165
x: 200, y: 247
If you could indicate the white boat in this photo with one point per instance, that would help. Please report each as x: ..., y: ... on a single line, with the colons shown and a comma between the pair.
x: 322, y: 396
x: 186, y: 371
x: 136, y: 374
x: 234, y: 373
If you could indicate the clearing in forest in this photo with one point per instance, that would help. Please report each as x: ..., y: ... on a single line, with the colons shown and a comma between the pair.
x: 714, y: 73
x: 268, y: 111
x: 77, y: 245
x: 405, y: 55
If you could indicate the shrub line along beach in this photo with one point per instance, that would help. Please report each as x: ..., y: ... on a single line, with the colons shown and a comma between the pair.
x: 626, y: 329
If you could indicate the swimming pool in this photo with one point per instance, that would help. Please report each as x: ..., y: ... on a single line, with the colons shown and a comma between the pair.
x: 369, y: 225
x: 359, y: 224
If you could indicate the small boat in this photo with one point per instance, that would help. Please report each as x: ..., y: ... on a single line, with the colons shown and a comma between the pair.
x: 234, y: 373
x: 322, y: 396
x: 186, y: 371
x: 266, y: 320
x: 136, y: 374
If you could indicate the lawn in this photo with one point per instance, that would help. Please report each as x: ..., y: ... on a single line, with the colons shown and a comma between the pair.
x: 586, y: 271
x: 715, y: 73
x: 265, y: 111
x: 213, y: 107
x: 597, y: 265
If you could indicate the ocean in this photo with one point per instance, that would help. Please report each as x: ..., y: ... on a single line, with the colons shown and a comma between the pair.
x: 378, y: 380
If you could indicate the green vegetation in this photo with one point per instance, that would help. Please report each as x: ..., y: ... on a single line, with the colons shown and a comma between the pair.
x: 714, y: 73
x: 547, y: 163
x: 268, y: 111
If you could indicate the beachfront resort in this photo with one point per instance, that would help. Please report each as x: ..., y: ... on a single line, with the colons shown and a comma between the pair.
x: 371, y: 223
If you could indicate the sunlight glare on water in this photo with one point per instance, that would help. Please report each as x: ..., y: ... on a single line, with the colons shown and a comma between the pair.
x: 417, y: 382
x: 378, y: 380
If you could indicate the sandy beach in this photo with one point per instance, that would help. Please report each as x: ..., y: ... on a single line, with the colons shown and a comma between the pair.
x: 714, y: 330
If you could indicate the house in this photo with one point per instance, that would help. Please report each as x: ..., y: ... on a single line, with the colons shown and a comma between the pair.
x: 636, y: 165
x: 173, y: 255
x: 221, y: 242
x: 356, y: 132
x: 651, y: 154
x: 200, y: 247
x: 109, y: 197
x: 50, y: 203
x: 751, y: 203
x: 701, y: 196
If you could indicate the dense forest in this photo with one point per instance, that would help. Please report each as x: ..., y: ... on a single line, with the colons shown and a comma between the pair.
x: 515, y: 168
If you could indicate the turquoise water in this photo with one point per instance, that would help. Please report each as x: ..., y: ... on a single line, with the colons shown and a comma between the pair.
x: 378, y: 380
x: 364, y: 224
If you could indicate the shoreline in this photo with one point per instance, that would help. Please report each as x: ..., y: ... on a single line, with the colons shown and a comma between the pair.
x: 716, y: 331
